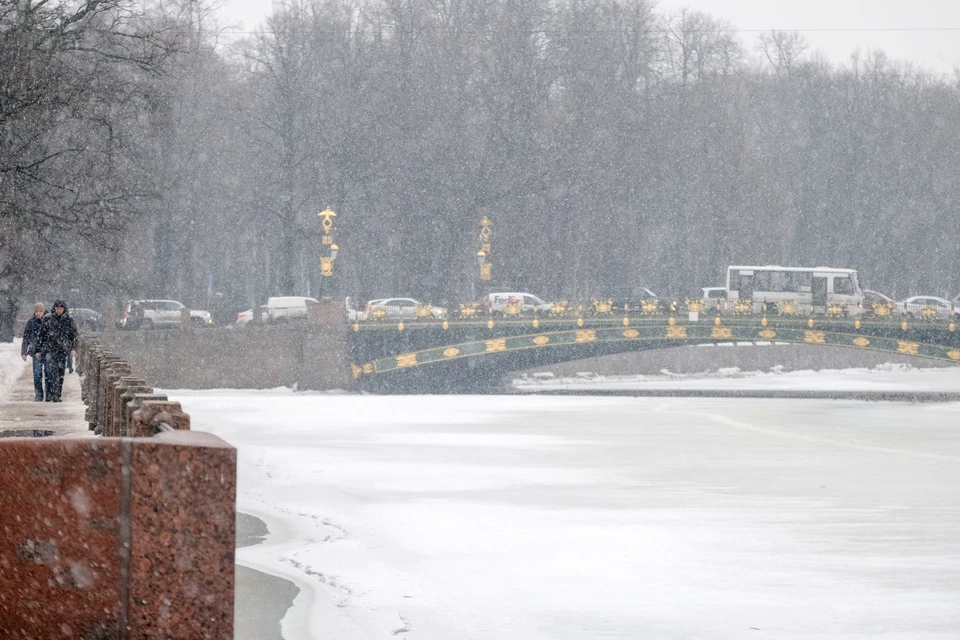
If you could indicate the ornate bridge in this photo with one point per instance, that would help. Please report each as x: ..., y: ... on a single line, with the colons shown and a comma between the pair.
x: 465, y: 349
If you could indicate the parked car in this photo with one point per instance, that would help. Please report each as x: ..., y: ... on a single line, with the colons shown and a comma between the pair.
x: 244, y: 317
x: 148, y: 314
x: 628, y: 299
x: 352, y: 313
x: 504, y: 302
x: 287, y: 308
x: 926, y: 307
x: 88, y: 319
x: 398, y: 309
x: 877, y: 303
x: 279, y: 309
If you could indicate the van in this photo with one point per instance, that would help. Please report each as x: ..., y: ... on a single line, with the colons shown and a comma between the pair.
x: 278, y: 310
x: 148, y: 314
x: 287, y: 308
x: 713, y: 293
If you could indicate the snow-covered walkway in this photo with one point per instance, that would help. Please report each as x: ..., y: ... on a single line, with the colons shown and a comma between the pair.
x: 18, y: 409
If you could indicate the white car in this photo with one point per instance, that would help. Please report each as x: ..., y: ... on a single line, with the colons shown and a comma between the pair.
x: 352, y: 314
x: 497, y: 302
x: 926, y: 307
x: 399, y: 309
x: 278, y: 310
x: 147, y: 314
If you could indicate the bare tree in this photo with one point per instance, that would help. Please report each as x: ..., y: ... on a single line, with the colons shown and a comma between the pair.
x: 70, y: 88
x: 782, y: 50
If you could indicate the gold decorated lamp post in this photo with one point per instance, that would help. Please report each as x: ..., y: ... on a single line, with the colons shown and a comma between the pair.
x: 326, y: 262
x: 483, y: 256
x: 484, y: 265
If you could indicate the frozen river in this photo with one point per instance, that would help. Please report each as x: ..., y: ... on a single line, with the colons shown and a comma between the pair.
x: 578, y: 517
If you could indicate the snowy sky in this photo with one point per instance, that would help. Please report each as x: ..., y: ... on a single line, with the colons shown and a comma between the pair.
x: 923, y: 31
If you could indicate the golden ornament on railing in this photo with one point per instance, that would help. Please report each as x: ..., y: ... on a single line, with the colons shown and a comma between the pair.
x: 787, y: 307
x: 378, y: 313
x: 836, y: 309
x: 928, y: 312
x: 558, y: 308
x: 881, y: 310
x: 695, y: 305
x: 423, y: 310
x: 743, y: 305
x: 650, y: 306
x: 513, y: 308
x: 603, y: 306
x: 468, y: 310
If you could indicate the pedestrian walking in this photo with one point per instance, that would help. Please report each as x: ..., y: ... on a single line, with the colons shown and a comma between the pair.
x: 58, y: 339
x: 30, y: 347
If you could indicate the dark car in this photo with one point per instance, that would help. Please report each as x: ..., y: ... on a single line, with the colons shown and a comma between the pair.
x: 631, y: 299
x: 88, y: 319
x: 878, y: 304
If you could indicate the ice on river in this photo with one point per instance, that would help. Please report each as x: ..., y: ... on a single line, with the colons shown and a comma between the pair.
x: 529, y: 517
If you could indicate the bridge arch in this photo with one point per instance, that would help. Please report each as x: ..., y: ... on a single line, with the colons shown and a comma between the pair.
x: 453, y: 365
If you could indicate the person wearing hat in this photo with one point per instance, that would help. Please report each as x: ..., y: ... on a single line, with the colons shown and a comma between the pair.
x: 30, y: 346
x: 58, y: 338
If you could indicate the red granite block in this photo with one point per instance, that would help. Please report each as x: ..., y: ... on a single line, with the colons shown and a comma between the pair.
x: 120, y: 425
x: 152, y: 412
x: 183, y: 506
x: 117, y: 538
x: 59, y: 538
x: 134, y: 404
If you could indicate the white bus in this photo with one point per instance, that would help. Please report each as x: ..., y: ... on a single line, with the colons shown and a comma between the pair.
x: 811, y: 288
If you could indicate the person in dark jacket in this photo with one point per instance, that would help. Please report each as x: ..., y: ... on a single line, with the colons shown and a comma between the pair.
x: 58, y: 338
x: 30, y: 346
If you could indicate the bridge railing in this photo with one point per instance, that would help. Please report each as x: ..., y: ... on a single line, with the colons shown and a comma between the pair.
x: 661, y: 307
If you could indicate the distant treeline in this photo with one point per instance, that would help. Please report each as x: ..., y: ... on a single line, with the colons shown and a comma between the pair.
x: 611, y: 145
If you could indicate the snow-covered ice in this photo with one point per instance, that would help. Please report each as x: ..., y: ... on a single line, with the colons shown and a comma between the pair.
x: 576, y: 517
x: 888, y: 377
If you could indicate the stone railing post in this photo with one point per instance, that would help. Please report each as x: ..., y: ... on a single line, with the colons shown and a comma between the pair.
x: 113, y: 425
x: 110, y: 375
x: 134, y: 404
x: 154, y: 416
